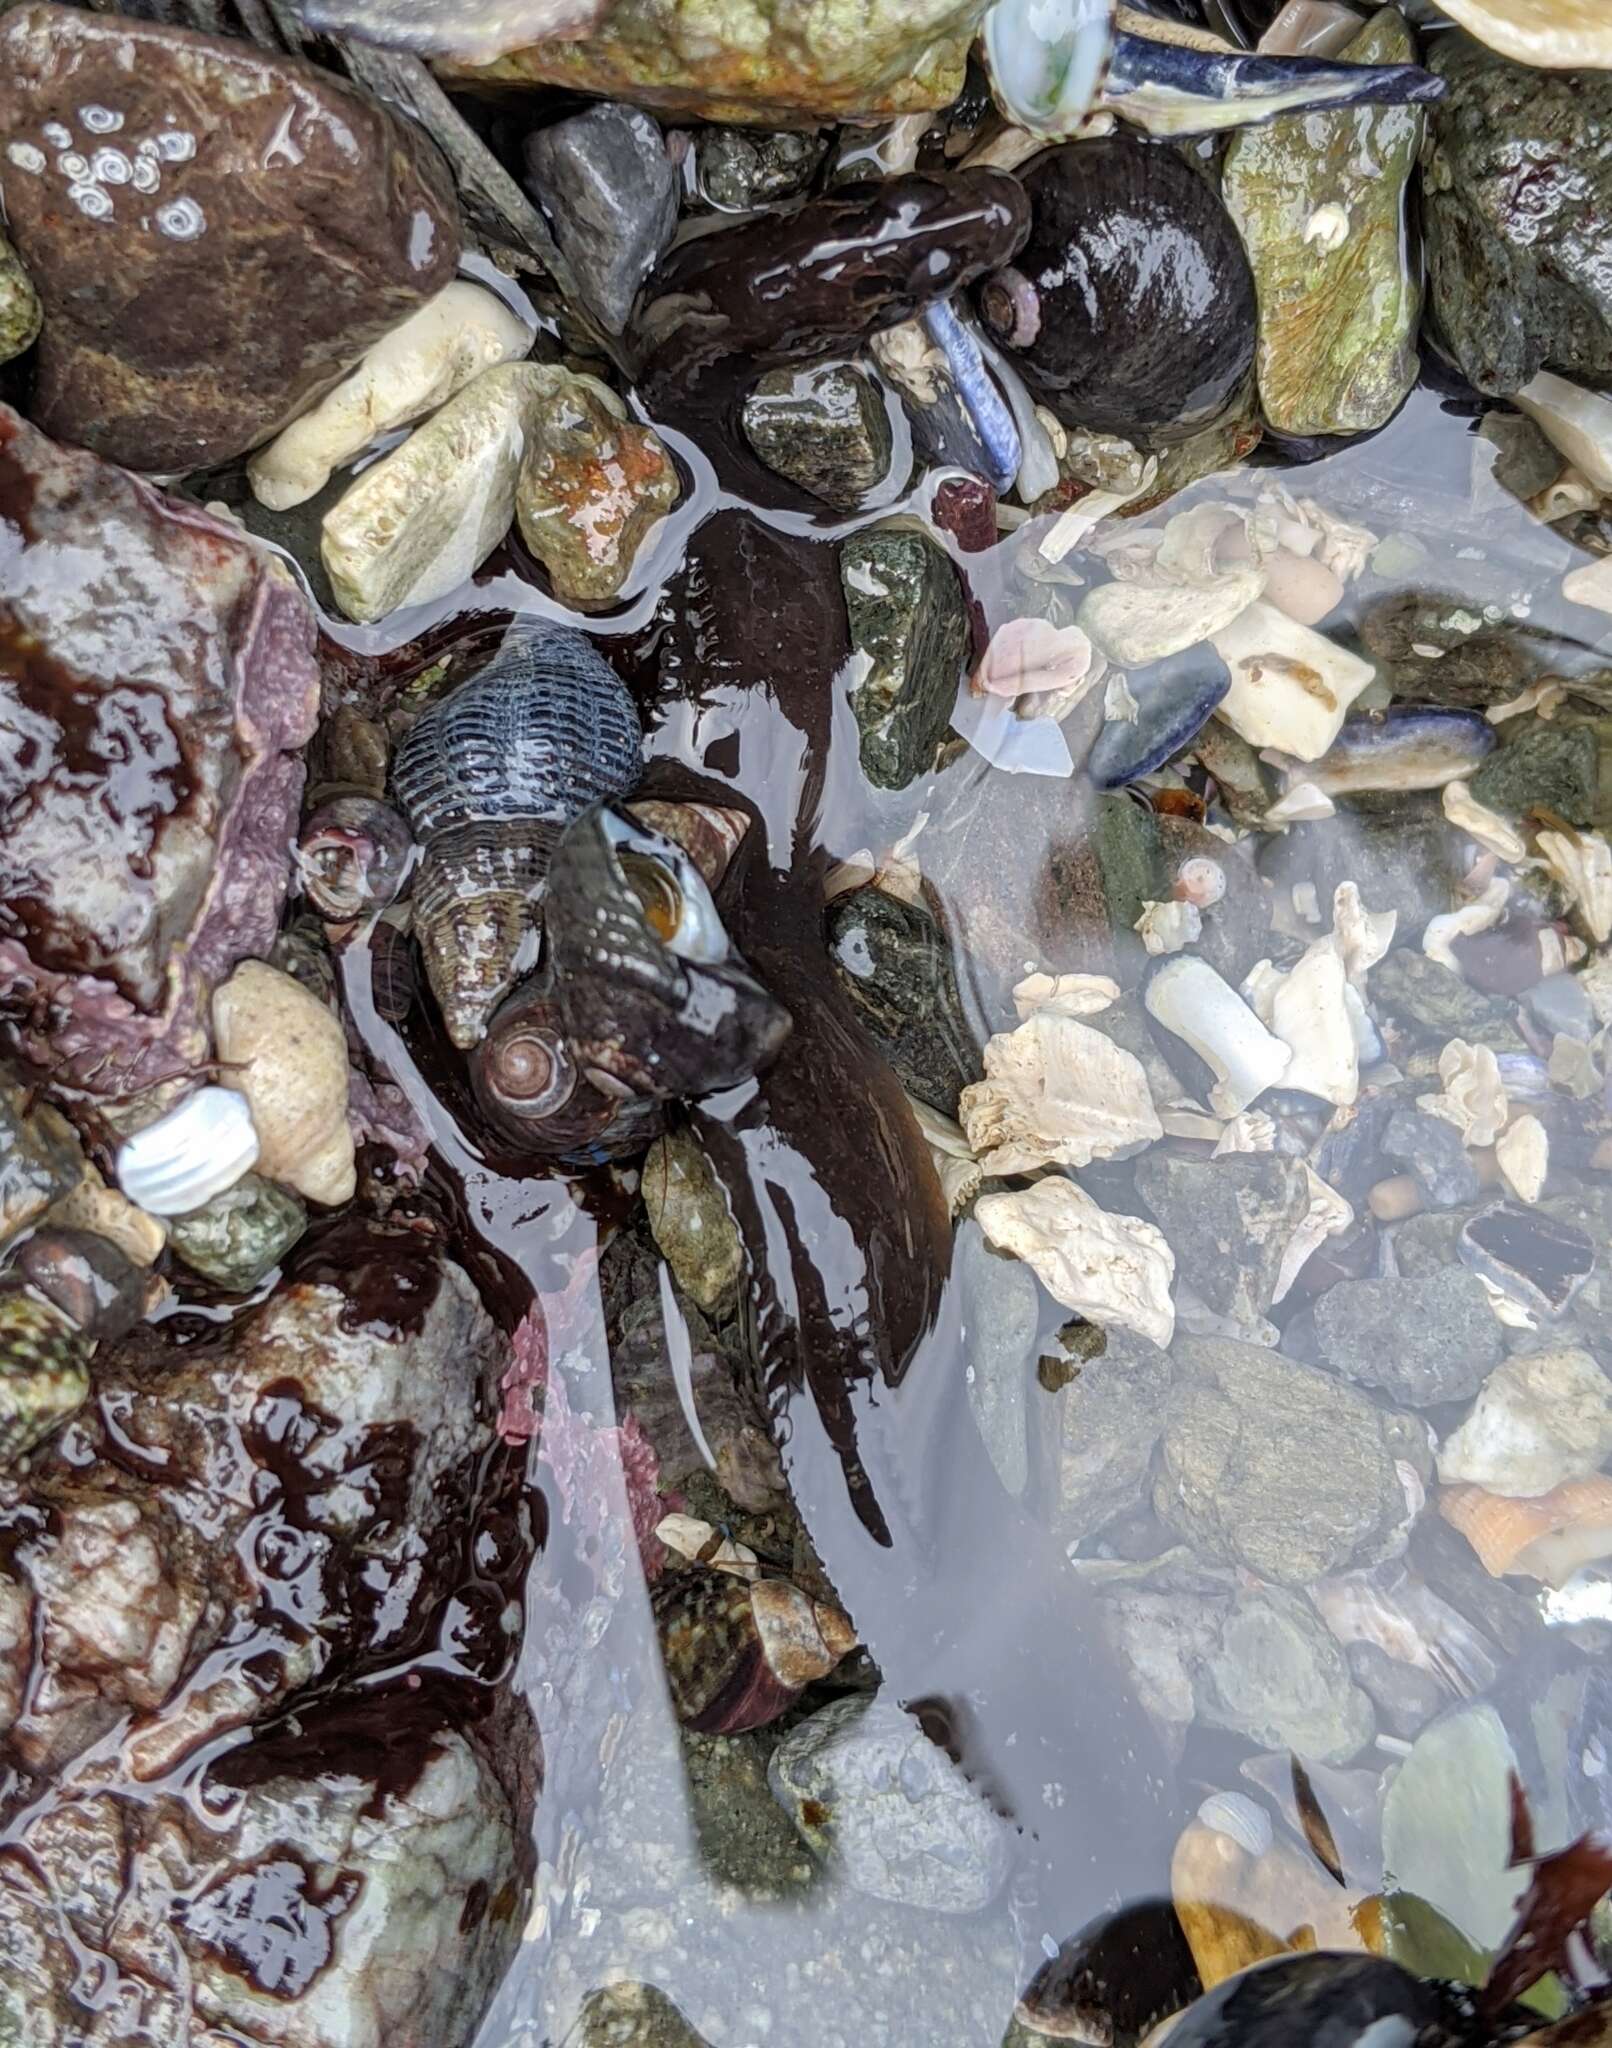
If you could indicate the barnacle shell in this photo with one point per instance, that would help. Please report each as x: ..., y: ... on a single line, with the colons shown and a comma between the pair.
x: 1549, y: 1537
x: 289, y: 1060
x: 351, y: 855
x: 739, y: 1652
x: 1244, y: 1820
x: 189, y: 1155
x: 486, y: 777
x: 44, y: 1370
x: 1057, y: 1092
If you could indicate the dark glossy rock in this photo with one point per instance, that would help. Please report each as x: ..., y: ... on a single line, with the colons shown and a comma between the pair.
x: 1324, y: 2000
x: 244, y: 233
x: 825, y: 429
x: 1517, y: 207
x: 1430, y: 1150
x: 893, y: 962
x: 1546, y: 765
x: 690, y: 1221
x: 1228, y: 1222
x: 1174, y: 700
x: 1129, y: 246
x: 909, y: 624
x: 1421, y: 1341
x: 1437, y: 1003
x: 1540, y: 1258
x: 163, y: 754
x: 740, y: 168
x: 609, y: 189
x: 39, y: 1156
x: 87, y: 1278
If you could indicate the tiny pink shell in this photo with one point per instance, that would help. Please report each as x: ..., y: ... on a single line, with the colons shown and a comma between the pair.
x: 1028, y: 656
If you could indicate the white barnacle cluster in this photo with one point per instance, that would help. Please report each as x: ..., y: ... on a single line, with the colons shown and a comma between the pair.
x: 95, y: 170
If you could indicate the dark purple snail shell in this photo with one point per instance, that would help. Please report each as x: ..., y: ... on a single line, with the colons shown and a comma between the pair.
x: 87, y: 1278
x: 1130, y: 310
x: 535, y: 1094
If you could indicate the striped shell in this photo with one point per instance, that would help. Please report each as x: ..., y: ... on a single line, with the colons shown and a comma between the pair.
x: 1246, y: 1822
x: 739, y: 1652
x: 486, y: 776
x: 44, y: 1370
x: 707, y: 833
x: 1548, y: 1537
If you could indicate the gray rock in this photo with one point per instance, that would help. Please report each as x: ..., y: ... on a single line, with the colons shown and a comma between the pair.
x: 824, y: 428
x: 609, y: 189
x: 1276, y: 1467
x: 1423, y: 992
x: 1546, y: 764
x: 1428, y: 1243
x: 1113, y: 1413
x: 1400, y: 851
x: 744, y: 167
x: 893, y: 1815
x: 745, y: 1839
x: 1421, y: 1340
x: 1405, y: 1697
x: 1559, y: 1004
x: 1002, y: 1312
x: 1228, y: 1222
x: 1431, y: 1152
x: 1278, y: 1677
x: 910, y: 629
x: 239, y: 1236
x: 631, y: 2015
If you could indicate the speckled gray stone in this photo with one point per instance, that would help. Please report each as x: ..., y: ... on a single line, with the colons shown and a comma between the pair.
x: 607, y: 185
x: 1422, y: 1341
x: 824, y: 428
x: 1430, y: 1150
x: 1279, y: 1678
x: 1113, y: 1412
x: 1002, y: 1310
x: 1228, y: 1222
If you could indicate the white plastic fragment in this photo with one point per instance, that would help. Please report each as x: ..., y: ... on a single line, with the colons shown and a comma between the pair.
x: 1114, y: 1270
x: 1480, y: 915
x: 1057, y: 1093
x: 1472, y: 1095
x: 190, y: 1155
x: 1168, y: 927
x: 1582, y: 863
x: 1523, y: 1153
x: 1291, y: 687
x: 1494, y: 833
x: 1188, y: 997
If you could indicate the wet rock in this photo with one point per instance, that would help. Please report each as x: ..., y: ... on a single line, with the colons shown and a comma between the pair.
x: 1560, y: 1006
x: 632, y: 2015
x: 589, y: 492
x: 1405, y: 1696
x: 1320, y: 201
x: 39, y: 1159
x: 1548, y: 765
x: 1113, y: 1413
x: 1400, y: 852
x: 20, y: 311
x: 164, y: 755
x: 909, y: 626
x: 1516, y: 273
x: 1002, y: 1318
x: 732, y: 1425
x: 692, y: 1224
x: 888, y: 1811
x: 44, y: 1370
x: 1434, y: 998
x: 241, y: 1235
x: 1276, y: 1676
x: 825, y: 429
x: 243, y: 232
x: 739, y: 169
x: 745, y: 1838
x: 88, y: 1278
x: 609, y: 189
x: 1275, y: 1466
x: 1422, y: 1341
x: 1228, y: 1222
x: 894, y: 964
x: 1430, y: 1150
x: 1540, y: 1419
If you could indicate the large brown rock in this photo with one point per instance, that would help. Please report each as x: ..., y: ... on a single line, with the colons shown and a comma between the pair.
x: 215, y: 233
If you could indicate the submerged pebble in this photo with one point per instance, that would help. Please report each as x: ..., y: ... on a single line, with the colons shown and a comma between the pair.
x: 44, y: 1370
x: 909, y: 626
x: 1175, y: 699
x: 824, y: 428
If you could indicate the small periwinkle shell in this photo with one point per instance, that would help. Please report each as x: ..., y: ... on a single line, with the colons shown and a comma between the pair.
x: 44, y: 1369
x: 534, y: 1093
x: 241, y: 1235
x: 486, y: 777
x: 651, y: 991
x: 194, y: 1152
x: 1144, y: 321
x: 738, y: 1652
x: 351, y: 856
x: 87, y: 1278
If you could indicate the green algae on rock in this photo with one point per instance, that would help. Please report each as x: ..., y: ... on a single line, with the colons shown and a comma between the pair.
x: 1320, y: 202
x: 1517, y: 202
x: 788, y: 63
x: 20, y: 311
x: 910, y: 629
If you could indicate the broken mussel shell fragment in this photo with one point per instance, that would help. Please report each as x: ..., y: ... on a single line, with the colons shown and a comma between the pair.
x: 739, y: 1652
x: 1405, y: 746
x: 651, y: 991
x: 1538, y: 1259
x: 487, y: 777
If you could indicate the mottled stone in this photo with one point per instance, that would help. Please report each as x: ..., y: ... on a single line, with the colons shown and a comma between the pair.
x: 740, y: 169
x: 246, y: 230
x: 909, y: 625
x: 1430, y: 1150
x: 691, y: 1221
x: 1422, y: 1341
x: 745, y: 1839
x: 1517, y: 199
x: 1113, y: 1413
x: 1427, y: 994
x: 39, y: 1159
x: 824, y: 428
x: 44, y: 1370
x: 609, y: 189
x: 1277, y: 1676
x: 241, y: 1235
x: 893, y: 962
x: 591, y: 488
x: 631, y: 2015
x: 1002, y: 1306
x: 20, y: 310
x: 1546, y: 764
x: 1320, y: 201
x: 1276, y: 1467
x: 1228, y: 1222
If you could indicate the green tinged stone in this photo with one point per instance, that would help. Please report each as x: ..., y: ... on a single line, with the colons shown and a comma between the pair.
x: 20, y: 313
x: 895, y: 967
x: 1408, y: 985
x: 690, y: 1221
x: 1516, y: 201
x: 631, y: 2016
x: 240, y: 1235
x: 1337, y: 324
x: 44, y: 1371
x: 1550, y: 765
x: 910, y: 629
x: 825, y: 429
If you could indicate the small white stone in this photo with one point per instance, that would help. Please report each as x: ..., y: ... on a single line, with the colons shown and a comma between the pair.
x: 1290, y: 686
x: 1538, y: 1421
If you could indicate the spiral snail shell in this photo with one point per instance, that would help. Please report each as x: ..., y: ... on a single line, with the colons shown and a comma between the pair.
x: 487, y: 778
x: 739, y: 1652
x: 533, y: 1090
x: 351, y: 856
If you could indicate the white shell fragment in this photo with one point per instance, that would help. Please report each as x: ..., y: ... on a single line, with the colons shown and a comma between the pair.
x: 190, y: 1155
x: 1482, y: 914
x: 1290, y: 686
x: 1252, y: 1131
x: 1582, y: 863
x: 420, y: 365
x: 1135, y: 623
x: 1114, y: 1270
x: 1306, y: 1009
x: 1578, y: 423
x: 1560, y: 35
x: 1072, y: 995
x: 1495, y: 834
x: 1590, y: 584
x: 960, y: 1174
x: 1328, y: 1215
x: 1473, y: 1096
x: 1057, y: 1092
x: 1170, y: 926
x: 1299, y: 803
x: 1242, y: 1819
x: 287, y: 1056
x: 1522, y: 1151
x: 1188, y: 997
x: 1538, y: 1420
